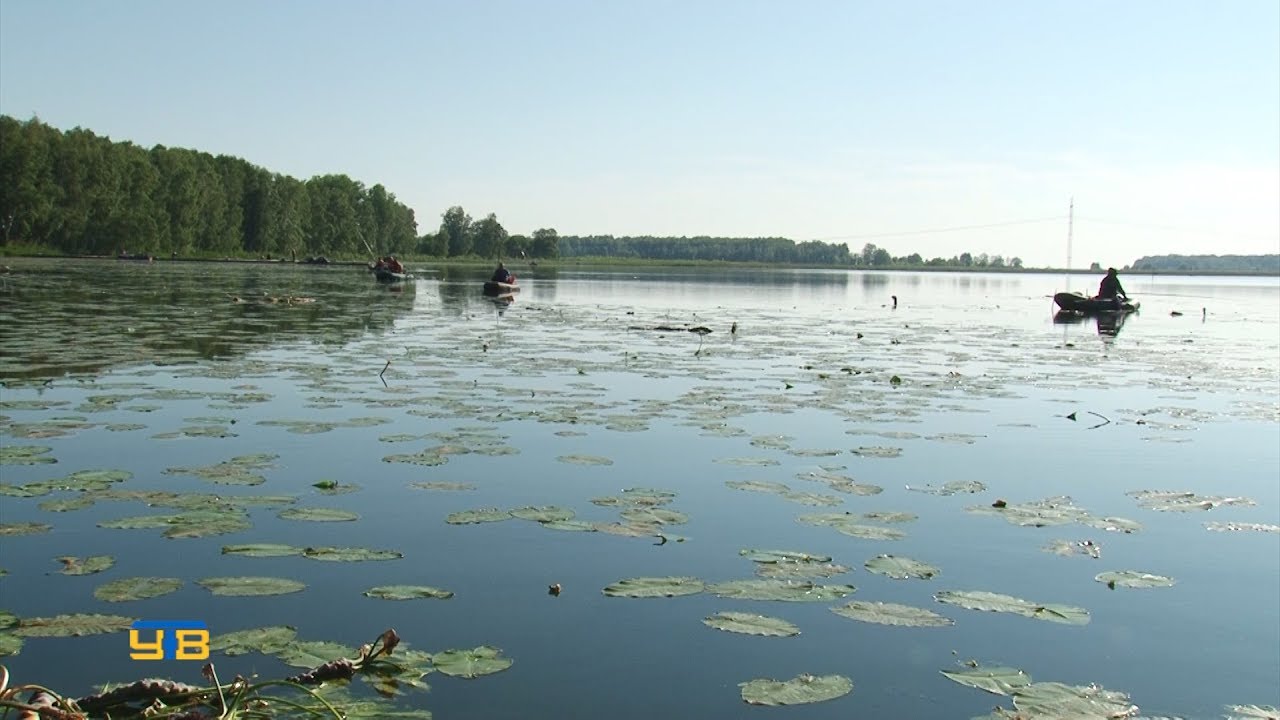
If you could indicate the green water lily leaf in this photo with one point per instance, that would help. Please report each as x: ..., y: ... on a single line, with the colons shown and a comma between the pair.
x: 1133, y: 579
x: 782, y: 556
x: 751, y: 624
x: 67, y: 504
x: 473, y: 663
x: 1113, y: 524
x: 799, y: 570
x: 425, y: 459
x: 784, y: 590
x: 996, y: 602
x: 762, y: 486
x: 443, y: 486
x: 7, y: 620
x: 891, y: 614
x: 72, y: 565
x: 1241, y: 712
x: 333, y: 487
x: 584, y: 460
x: 26, y: 455
x: 312, y: 653
x: 878, y: 451
x: 136, y: 588
x: 349, y: 554
x: 407, y: 592
x: 317, y: 514
x: 654, y: 516
x: 72, y: 625
x: 1057, y: 700
x: 952, y: 488
x: 799, y: 690
x: 868, y: 532
x: 1242, y: 527
x: 997, y: 680
x: 570, y: 525
x: 1183, y: 501
x: 1068, y: 548
x: 483, y: 515
x: 889, y: 516
x: 543, y: 514
x: 901, y: 568
x: 250, y: 586
x: 266, y: 640
x: 262, y: 550
x: 23, y: 528
x: 10, y: 644
x: 653, y: 587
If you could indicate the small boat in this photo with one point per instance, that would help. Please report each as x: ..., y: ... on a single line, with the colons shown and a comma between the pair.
x: 495, y: 289
x: 1076, y: 303
x: 383, y: 275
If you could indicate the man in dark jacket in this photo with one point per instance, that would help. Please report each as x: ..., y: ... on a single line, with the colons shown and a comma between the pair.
x: 1110, y: 287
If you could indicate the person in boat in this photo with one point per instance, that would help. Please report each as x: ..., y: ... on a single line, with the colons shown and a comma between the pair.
x: 394, y: 265
x: 1111, y: 289
x: 502, y: 275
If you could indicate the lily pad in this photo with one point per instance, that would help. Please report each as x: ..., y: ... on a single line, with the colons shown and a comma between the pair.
x: 349, y: 554
x: 483, y: 515
x: 266, y: 640
x: 761, y: 486
x: 316, y: 514
x: 1133, y: 579
x: 1245, y: 712
x: 784, y: 590
x: 543, y: 514
x: 72, y: 565
x: 1242, y: 527
x: 23, y: 528
x: 996, y: 602
x: 751, y: 624
x: 262, y: 550
x: 1057, y: 700
x: 251, y: 586
x: 654, y: 516
x: 407, y: 592
x: 10, y: 644
x: 901, y: 568
x: 877, y: 452
x: 891, y: 614
x: 585, y: 460
x: 652, y: 587
x: 443, y: 486
x: 26, y: 455
x: 997, y: 680
x: 799, y: 570
x: 312, y: 653
x: 782, y: 556
x: 73, y: 625
x: 473, y: 663
x: 7, y: 620
x: 136, y: 588
x: 799, y: 690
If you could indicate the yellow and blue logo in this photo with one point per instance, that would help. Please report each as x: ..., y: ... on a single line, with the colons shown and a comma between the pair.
x: 169, y: 639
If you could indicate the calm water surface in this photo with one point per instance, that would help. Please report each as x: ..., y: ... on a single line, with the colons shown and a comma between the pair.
x: 145, y: 368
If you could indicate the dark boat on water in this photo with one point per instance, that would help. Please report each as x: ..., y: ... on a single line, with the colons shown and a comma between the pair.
x: 1078, y: 304
x: 496, y: 289
x: 383, y: 275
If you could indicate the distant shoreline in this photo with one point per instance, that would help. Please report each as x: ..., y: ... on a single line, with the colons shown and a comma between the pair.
x: 596, y: 262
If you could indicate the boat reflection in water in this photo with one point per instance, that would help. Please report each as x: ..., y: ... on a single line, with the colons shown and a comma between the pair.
x: 1108, y: 323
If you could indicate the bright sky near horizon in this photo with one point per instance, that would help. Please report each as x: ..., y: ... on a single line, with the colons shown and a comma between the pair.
x: 930, y: 126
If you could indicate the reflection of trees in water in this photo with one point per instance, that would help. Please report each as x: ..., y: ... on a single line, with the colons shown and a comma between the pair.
x: 62, y: 317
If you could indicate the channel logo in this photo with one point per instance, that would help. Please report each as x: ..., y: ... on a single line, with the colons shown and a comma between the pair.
x: 169, y: 640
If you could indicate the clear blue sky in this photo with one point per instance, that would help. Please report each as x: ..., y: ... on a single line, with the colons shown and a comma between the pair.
x: 845, y: 120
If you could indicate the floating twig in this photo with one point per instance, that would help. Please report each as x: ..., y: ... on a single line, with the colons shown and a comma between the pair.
x: 1105, y: 420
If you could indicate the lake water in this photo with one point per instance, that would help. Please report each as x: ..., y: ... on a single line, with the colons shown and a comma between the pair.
x: 572, y: 392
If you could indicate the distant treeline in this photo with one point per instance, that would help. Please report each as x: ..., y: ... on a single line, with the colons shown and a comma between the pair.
x: 77, y: 193
x: 1269, y: 264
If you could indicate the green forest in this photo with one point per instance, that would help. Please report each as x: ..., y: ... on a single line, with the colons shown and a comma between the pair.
x: 1250, y: 264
